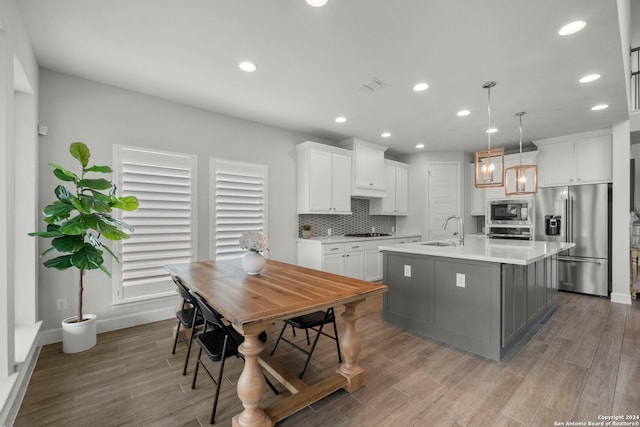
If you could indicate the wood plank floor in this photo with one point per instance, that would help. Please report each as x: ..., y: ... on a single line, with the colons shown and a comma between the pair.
x: 583, y: 362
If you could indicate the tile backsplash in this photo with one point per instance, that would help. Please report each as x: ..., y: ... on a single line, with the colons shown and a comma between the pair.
x: 359, y: 222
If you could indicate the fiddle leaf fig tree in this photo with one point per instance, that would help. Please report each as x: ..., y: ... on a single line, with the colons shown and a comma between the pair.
x: 81, y: 216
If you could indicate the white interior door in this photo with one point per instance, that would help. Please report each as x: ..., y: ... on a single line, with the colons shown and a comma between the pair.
x: 443, y: 198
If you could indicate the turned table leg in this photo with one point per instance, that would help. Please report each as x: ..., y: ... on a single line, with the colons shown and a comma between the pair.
x: 251, y: 386
x: 351, y: 346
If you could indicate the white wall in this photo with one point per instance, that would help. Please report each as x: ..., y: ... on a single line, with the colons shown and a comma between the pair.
x: 416, y: 222
x: 620, y: 235
x: 75, y: 109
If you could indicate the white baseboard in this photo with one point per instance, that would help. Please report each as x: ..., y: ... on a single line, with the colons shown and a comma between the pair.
x: 621, y: 298
x: 114, y: 323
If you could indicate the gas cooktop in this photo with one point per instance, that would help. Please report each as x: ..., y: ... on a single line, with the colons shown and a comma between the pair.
x: 367, y: 235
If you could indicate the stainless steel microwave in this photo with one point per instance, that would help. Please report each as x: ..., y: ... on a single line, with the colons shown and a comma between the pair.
x: 510, y: 212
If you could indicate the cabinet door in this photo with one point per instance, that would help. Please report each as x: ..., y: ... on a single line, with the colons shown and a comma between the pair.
x: 541, y: 286
x: 320, y: 165
x: 368, y: 162
x: 333, y: 263
x: 477, y: 194
x: 340, y: 184
x: 513, y: 302
x: 389, y: 201
x: 402, y: 191
x: 372, y: 265
x: 557, y: 164
x: 353, y: 264
x: 593, y: 159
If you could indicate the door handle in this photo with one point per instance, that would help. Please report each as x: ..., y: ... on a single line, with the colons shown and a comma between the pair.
x: 573, y: 259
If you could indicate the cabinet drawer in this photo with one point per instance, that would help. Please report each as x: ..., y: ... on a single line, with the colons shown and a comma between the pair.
x: 333, y: 248
x: 354, y: 246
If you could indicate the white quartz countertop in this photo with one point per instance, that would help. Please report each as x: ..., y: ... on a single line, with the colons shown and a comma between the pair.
x: 343, y: 239
x: 479, y: 248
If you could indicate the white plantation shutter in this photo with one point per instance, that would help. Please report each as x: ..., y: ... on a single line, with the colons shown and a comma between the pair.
x: 164, y: 223
x: 239, y: 204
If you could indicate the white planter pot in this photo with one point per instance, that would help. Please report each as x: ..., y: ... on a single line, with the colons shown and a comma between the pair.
x: 252, y: 263
x: 77, y: 337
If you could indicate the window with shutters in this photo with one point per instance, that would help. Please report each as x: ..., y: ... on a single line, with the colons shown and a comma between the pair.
x: 239, y: 204
x: 164, y: 233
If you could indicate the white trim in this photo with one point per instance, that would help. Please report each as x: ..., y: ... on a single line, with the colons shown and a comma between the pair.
x: 458, y: 165
x: 132, y: 302
x: 13, y: 388
x: 621, y: 298
x: 146, y: 166
x: 212, y: 198
x: 581, y: 135
x: 52, y: 336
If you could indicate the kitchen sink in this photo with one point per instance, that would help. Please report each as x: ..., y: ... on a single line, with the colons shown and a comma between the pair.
x: 438, y: 244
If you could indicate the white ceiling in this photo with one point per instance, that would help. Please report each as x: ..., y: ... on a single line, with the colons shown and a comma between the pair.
x: 312, y: 62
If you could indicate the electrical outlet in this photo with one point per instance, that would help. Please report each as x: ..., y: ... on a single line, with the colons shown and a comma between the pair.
x: 328, y: 232
x: 61, y: 304
x: 460, y: 280
x: 407, y: 271
x: 373, y: 229
x: 393, y: 229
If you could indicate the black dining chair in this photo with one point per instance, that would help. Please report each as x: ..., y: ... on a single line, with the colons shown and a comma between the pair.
x: 316, y: 322
x: 189, y: 317
x: 219, y: 341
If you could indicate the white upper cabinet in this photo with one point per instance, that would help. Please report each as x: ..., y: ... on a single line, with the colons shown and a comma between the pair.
x: 324, y: 173
x: 396, y: 181
x: 575, y: 159
x: 477, y: 194
x: 367, y: 168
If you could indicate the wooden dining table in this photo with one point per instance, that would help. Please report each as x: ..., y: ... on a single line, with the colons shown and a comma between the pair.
x: 252, y: 303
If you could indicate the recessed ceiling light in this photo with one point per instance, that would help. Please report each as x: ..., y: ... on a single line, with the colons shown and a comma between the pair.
x: 599, y: 107
x: 385, y: 134
x: 419, y: 145
x: 571, y: 28
x: 341, y: 119
x: 419, y: 87
x: 589, y: 78
x: 316, y: 3
x: 492, y: 130
x: 463, y: 113
x: 248, y: 67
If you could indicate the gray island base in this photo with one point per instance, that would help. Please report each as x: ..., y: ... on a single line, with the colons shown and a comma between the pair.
x: 484, y: 297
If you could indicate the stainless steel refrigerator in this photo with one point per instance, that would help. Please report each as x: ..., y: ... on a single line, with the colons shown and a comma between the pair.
x: 579, y: 214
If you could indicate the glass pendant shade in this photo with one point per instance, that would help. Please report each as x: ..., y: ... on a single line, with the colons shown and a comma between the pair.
x: 490, y: 162
x: 521, y: 179
x: 489, y: 167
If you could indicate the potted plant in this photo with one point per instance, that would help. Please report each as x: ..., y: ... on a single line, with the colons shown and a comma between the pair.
x: 76, y: 222
x: 307, y: 231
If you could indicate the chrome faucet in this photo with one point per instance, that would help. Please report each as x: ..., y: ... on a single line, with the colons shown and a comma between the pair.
x: 461, y: 234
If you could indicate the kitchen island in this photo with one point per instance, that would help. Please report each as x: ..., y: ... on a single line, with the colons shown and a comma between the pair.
x: 484, y: 296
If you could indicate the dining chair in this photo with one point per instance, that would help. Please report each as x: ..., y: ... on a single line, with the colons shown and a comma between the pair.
x: 219, y: 341
x: 189, y: 317
x: 316, y: 322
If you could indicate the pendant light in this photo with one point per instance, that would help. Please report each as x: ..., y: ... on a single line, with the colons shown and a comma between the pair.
x: 521, y: 179
x: 489, y: 162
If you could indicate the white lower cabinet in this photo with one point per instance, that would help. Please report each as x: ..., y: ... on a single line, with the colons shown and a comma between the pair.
x: 358, y: 259
x: 373, y: 259
x: 343, y: 258
x: 353, y: 262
